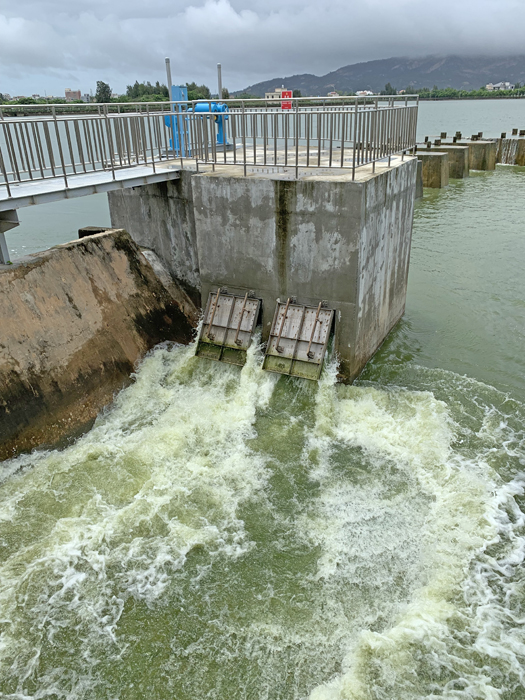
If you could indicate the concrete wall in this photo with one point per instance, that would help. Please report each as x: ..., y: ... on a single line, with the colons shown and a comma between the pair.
x: 384, y: 255
x: 458, y: 159
x: 321, y: 237
x: 482, y: 154
x: 435, y: 168
x: 419, y: 180
x: 160, y: 217
x: 75, y: 319
x: 315, y: 238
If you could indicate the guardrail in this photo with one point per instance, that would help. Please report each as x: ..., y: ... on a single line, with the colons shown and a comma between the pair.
x: 345, y: 133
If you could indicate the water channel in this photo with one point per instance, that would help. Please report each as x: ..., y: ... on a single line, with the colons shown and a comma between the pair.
x: 230, y: 534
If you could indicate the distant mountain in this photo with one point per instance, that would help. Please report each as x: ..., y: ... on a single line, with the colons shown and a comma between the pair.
x: 460, y: 72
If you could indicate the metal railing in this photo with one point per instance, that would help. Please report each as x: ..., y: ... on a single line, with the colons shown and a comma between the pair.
x: 345, y: 133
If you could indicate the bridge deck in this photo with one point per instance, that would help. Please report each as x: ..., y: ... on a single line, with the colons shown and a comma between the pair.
x: 52, y: 189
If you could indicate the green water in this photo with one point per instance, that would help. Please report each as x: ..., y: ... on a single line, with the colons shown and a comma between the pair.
x: 229, y: 535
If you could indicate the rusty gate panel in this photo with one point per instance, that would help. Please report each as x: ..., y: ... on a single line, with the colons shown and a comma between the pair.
x: 228, y: 326
x: 298, y: 339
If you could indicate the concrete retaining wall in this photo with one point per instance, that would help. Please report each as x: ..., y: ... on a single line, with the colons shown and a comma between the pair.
x: 160, y: 217
x: 75, y: 319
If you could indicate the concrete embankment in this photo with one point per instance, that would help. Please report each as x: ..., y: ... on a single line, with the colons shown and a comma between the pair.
x: 75, y: 320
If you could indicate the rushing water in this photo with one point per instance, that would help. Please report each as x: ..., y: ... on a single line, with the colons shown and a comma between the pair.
x: 230, y: 534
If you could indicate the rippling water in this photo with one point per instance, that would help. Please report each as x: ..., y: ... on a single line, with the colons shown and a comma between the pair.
x: 230, y: 534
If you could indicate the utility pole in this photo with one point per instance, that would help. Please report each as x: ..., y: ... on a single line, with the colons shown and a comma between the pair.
x: 219, y: 79
x: 168, y: 75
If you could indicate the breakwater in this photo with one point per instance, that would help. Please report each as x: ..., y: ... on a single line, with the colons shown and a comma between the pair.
x: 454, y: 156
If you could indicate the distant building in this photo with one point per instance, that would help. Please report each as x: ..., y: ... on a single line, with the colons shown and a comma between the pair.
x: 363, y: 93
x: 499, y: 86
x: 86, y: 98
x: 7, y: 96
x: 35, y: 97
x: 72, y: 95
x: 333, y: 94
x: 276, y: 94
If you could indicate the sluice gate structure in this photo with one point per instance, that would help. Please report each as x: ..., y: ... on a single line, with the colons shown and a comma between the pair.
x: 291, y: 224
x: 309, y: 204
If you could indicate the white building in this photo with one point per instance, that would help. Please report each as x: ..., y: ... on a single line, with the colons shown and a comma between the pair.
x: 364, y: 93
x: 499, y: 86
x: 276, y: 94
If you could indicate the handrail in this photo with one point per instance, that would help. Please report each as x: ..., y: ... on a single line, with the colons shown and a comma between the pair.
x: 352, y: 133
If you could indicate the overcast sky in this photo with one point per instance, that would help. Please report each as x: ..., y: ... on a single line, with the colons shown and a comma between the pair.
x: 48, y: 45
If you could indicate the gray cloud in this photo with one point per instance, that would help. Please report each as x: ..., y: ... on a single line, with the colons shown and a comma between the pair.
x: 53, y: 44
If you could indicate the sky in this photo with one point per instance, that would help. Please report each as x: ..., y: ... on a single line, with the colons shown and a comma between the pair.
x: 49, y: 45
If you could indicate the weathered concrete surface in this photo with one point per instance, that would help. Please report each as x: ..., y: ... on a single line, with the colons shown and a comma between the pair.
x: 75, y: 319
x: 435, y: 168
x: 482, y: 154
x: 419, y: 180
x: 458, y: 158
x: 160, y: 217
x: 319, y: 237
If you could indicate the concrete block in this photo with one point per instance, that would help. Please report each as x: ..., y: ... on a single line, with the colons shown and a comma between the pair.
x: 458, y: 159
x: 435, y: 168
x: 482, y: 154
x: 314, y: 238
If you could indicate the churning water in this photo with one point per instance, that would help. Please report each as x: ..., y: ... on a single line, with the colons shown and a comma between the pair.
x: 228, y: 534
x: 231, y: 534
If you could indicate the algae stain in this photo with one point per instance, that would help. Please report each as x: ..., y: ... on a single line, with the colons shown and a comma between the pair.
x: 285, y: 196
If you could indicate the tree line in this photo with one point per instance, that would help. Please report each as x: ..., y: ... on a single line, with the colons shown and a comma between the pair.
x: 146, y: 92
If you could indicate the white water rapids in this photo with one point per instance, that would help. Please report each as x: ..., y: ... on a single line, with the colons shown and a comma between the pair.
x: 230, y: 534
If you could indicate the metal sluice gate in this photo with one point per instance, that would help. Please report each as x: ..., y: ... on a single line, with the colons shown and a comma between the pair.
x: 227, y: 329
x: 298, y: 337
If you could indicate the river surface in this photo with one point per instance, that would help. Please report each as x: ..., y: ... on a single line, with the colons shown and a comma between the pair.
x: 230, y: 534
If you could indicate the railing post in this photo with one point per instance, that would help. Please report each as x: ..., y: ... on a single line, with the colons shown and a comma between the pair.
x: 150, y: 139
x: 296, y: 139
x: 244, y: 136
x: 355, y: 137
x: 110, y: 141
x: 61, y: 154
x: 4, y: 172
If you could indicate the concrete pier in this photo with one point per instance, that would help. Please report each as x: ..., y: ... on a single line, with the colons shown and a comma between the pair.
x: 435, y: 168
x: 319, y: 237
x: 482, y: 154
x: 458, y: 158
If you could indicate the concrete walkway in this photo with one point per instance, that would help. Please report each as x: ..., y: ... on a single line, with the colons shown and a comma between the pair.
x: 52, y: 189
